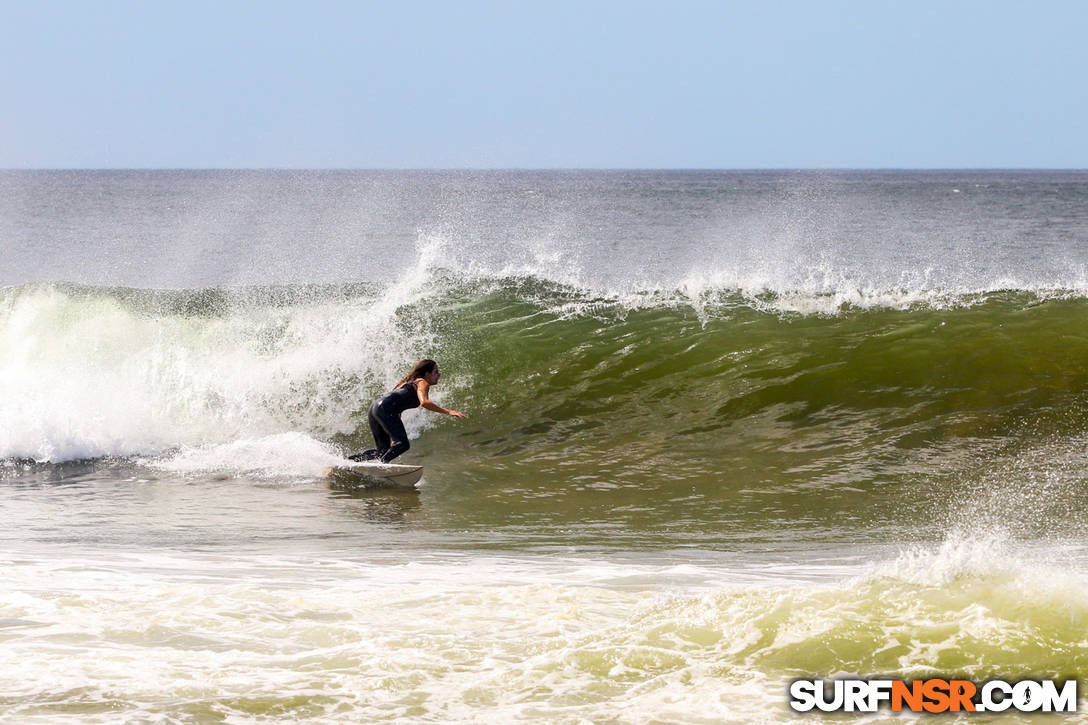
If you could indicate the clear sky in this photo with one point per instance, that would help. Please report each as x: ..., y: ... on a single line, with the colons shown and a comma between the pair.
x: 605, y: 84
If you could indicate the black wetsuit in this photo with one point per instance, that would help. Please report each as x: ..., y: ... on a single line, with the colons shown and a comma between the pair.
x: 384, y: 417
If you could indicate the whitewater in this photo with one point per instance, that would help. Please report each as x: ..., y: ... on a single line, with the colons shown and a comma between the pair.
x: 726, y: 430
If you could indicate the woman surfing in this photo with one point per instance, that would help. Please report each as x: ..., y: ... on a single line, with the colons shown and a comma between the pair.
x: 390, y: 438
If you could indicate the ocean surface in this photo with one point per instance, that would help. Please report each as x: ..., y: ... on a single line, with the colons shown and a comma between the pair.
x: 726, y: 429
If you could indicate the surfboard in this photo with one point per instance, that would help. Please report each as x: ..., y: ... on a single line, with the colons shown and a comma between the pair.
x: 362, y: 474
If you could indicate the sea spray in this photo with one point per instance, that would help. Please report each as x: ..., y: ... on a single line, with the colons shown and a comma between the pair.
x: 89, y: 373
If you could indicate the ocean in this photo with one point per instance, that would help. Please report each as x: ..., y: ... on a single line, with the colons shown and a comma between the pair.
x: 726, y: 429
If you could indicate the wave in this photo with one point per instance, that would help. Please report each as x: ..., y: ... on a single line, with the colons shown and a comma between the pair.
x: 959, y: 607
x: 694, y: 379
x: 555, y: 639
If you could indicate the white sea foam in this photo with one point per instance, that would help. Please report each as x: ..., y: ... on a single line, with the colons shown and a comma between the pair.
x: 279, y: 456
x: 476, y: 637
x: 86, y: 375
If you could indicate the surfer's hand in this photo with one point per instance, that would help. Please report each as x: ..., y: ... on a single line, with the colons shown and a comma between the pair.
x: 457, y: 414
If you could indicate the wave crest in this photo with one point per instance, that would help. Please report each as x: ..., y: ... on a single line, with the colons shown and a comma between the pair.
x: 89, y: 372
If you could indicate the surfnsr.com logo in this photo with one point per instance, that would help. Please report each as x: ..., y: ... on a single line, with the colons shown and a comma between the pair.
x: 933, y: 695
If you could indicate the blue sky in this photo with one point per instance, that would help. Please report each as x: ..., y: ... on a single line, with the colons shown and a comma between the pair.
x: 419, y: 84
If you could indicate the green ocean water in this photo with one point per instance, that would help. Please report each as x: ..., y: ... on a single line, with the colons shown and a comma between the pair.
x: 699, y: 462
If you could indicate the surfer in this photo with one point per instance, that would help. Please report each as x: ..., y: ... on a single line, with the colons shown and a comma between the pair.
x: 390, y: 438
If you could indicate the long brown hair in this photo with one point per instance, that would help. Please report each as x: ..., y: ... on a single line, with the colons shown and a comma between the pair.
x: 423, y: 367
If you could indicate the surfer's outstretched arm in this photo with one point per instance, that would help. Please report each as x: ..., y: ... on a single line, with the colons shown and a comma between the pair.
x: 421, y: 390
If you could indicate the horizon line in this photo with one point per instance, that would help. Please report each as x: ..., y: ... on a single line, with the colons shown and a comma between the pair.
x: 547, y: 168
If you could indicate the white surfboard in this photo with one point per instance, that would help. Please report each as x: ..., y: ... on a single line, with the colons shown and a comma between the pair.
x: 360, y: 474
